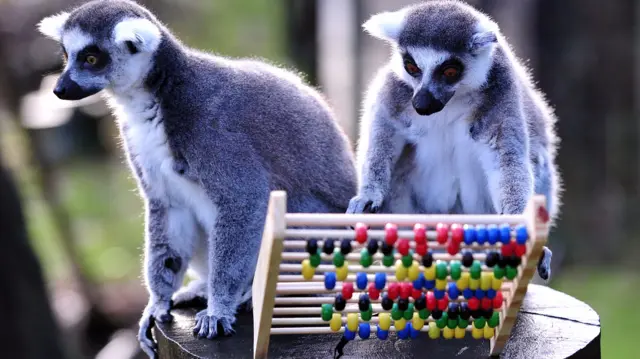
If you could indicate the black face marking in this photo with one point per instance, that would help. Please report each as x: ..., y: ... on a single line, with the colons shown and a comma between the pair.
x: 92, y: 58
x: 174, y: 264
x: 131, y: 47
x: 450, y: 71
x: 410, y: 65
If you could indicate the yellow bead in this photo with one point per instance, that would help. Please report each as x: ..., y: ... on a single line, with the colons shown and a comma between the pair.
x: 474, y: 283
x: 400, y: 323
x: 447, y: 333
x: 496, y: 284
x: 414, y: 271
x: 341, y: 272
x: 430, y: 272
x: 417, y: 322
x: 401, y: 271
x: 463, y: 282
x: 488, y: 332
x: 434, y: 331
x: 336, y: 322
x: 384, y: 321
x: 307, y: 270
x: 441, y: 284
x: 477, y: 333
x: 485, y: 280
x: 460, y: 332
x: 352, y: 321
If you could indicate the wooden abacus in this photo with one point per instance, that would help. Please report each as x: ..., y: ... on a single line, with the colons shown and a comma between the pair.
x: 436, y: 289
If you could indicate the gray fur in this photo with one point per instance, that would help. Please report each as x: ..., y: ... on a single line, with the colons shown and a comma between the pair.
x: 208, y: 138
x: 486, y: 151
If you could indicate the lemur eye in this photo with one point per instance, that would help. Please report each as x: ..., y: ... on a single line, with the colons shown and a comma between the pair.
x: 91, y: 60
x: 451, y: 72
x: 410, y: 66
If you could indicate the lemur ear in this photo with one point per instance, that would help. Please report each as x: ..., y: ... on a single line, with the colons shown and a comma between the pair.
x: 52, y: 26
x: 482, y: 40
x: 138, y: 34
x: 386, y: 25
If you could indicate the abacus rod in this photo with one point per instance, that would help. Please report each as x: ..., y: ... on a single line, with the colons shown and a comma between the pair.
x: 288, y: 278
x: 341, y: 219
x: 287, y: 267
x: 290, y: 256
x: 317, y: 310
x: 330, y: 300
x: 328, y: 330
x: 320, y: 289
x: 291, y: 243
x: 350, y: 233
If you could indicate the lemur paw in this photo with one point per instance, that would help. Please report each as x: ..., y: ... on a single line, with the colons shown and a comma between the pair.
x: 155, y: 311
x: 365, y: 203
x: 194, y: 294
x: 544, y: 264
x: 207, y: 325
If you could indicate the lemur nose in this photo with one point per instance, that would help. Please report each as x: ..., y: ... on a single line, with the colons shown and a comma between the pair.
x: 426, y: 104
x: 59, y: 91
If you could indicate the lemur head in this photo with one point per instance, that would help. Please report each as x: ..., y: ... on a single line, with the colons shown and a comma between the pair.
x: 439, y: 48
x: 106, y: 44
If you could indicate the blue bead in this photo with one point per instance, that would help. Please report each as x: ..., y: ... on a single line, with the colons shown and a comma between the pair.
x: 404, y: 333
x: 419, y: 283
x: 491, y: 293
x: 467, y: 293
x: 521, y: 234
x: 361, y: 280
x: 364, y: 330
x: 380, y: 281
x: 329, y: 280
x: 349, y: 335
x: 505, y: 233
x: 439, y: 294
x: 494, y: 233
x: 453, y: 290
x: 469, y: 234
x: 482, y: 236
x: 382, y: 334
x: 479, y: 293
x: 413, y: 332
x: 429, y: 284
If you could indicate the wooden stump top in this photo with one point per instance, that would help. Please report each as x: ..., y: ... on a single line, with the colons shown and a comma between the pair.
x: 550, y: 325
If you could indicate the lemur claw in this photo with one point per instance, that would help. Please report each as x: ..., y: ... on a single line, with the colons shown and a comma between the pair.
x: 364, y: 204
x: 207, y: 325
x: 154, y: 312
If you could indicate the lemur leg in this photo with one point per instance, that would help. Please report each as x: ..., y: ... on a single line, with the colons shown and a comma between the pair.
x: 192, y: 293
x: 168, y: 249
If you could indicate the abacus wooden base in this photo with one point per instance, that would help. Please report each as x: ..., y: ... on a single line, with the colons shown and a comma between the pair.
x: 550, y: 325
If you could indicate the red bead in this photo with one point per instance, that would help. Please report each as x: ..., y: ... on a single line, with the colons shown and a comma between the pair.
x: 416, y: 293
x: 521, y: 249
x: 497, y: 300
x: 457, y: 233
x: 442, y: 233
x: 474, y: 303
x: 431, y: 301
x: 393, y: 291
x: 361, y: 233
x: 405, y: 290
x: 543, y: 215
x: 403, y: 246
x: 421, y: 249
x: 420, y: 232
x: 453, y: 248
x: 374, y: 293
x: 507, y: 249
x: 487, y: 303
x: 391, y: 233
x: 347, y: 290
x: 443, y: 303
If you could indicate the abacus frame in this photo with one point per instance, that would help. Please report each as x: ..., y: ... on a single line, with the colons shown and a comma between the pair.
x: 267, y: 273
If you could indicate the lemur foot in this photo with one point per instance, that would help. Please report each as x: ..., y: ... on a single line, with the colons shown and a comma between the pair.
x: 207, y: 325
x: 193, y: 294
x: 544, y: 264
x: 155, y: 311
x: 365, y: 203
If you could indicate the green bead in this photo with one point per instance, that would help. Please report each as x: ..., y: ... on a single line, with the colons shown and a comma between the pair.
x: 441, y: 270
x: 365, y: 258
x: 511, y: 272
x: 456, y: 269
x: 314, y: 260
x: 407, y: 260
x: 338, y: 258
x: 366, y: 315
x: 442, y: 322
x: 408, y: 314
x: 494, y: 320
x: 463, y: 323
x: 476, y: 270
x: 452, y: 323
x: 395, y: 312
x: 479, y: 322
x: 498, y: 272
x: 388, y: 261
x: 327, y: 312
x: 424, y: 313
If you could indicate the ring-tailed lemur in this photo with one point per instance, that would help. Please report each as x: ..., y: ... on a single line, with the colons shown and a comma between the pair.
x: 208, y: 138
x: 453, y: 123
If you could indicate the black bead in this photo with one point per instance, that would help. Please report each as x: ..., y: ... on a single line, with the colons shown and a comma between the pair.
x: 464, y: 311
x: 328, y: 246
x: 476, y: 313
x: 467, y: 259
x: 387, y: 303
x: 453, y: 311
x: 364, y: 302
x: 372, y: 246
x: 492, y: 259
x: 339, y: 303
x: 420, y: 303
x: 514, y: 261
x: 312, y: 246
x: 427, y: 259
x: 403, y: 304
x: 386, y: 249
x: 345, y: 246
x: 487, y: 313
x: 436, y: 314
x: 502, y: 262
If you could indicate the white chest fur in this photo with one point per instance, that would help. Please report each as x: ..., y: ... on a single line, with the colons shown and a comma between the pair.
x: 448, y: 176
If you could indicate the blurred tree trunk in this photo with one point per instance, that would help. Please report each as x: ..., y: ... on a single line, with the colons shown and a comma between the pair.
x: 301, y: 32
